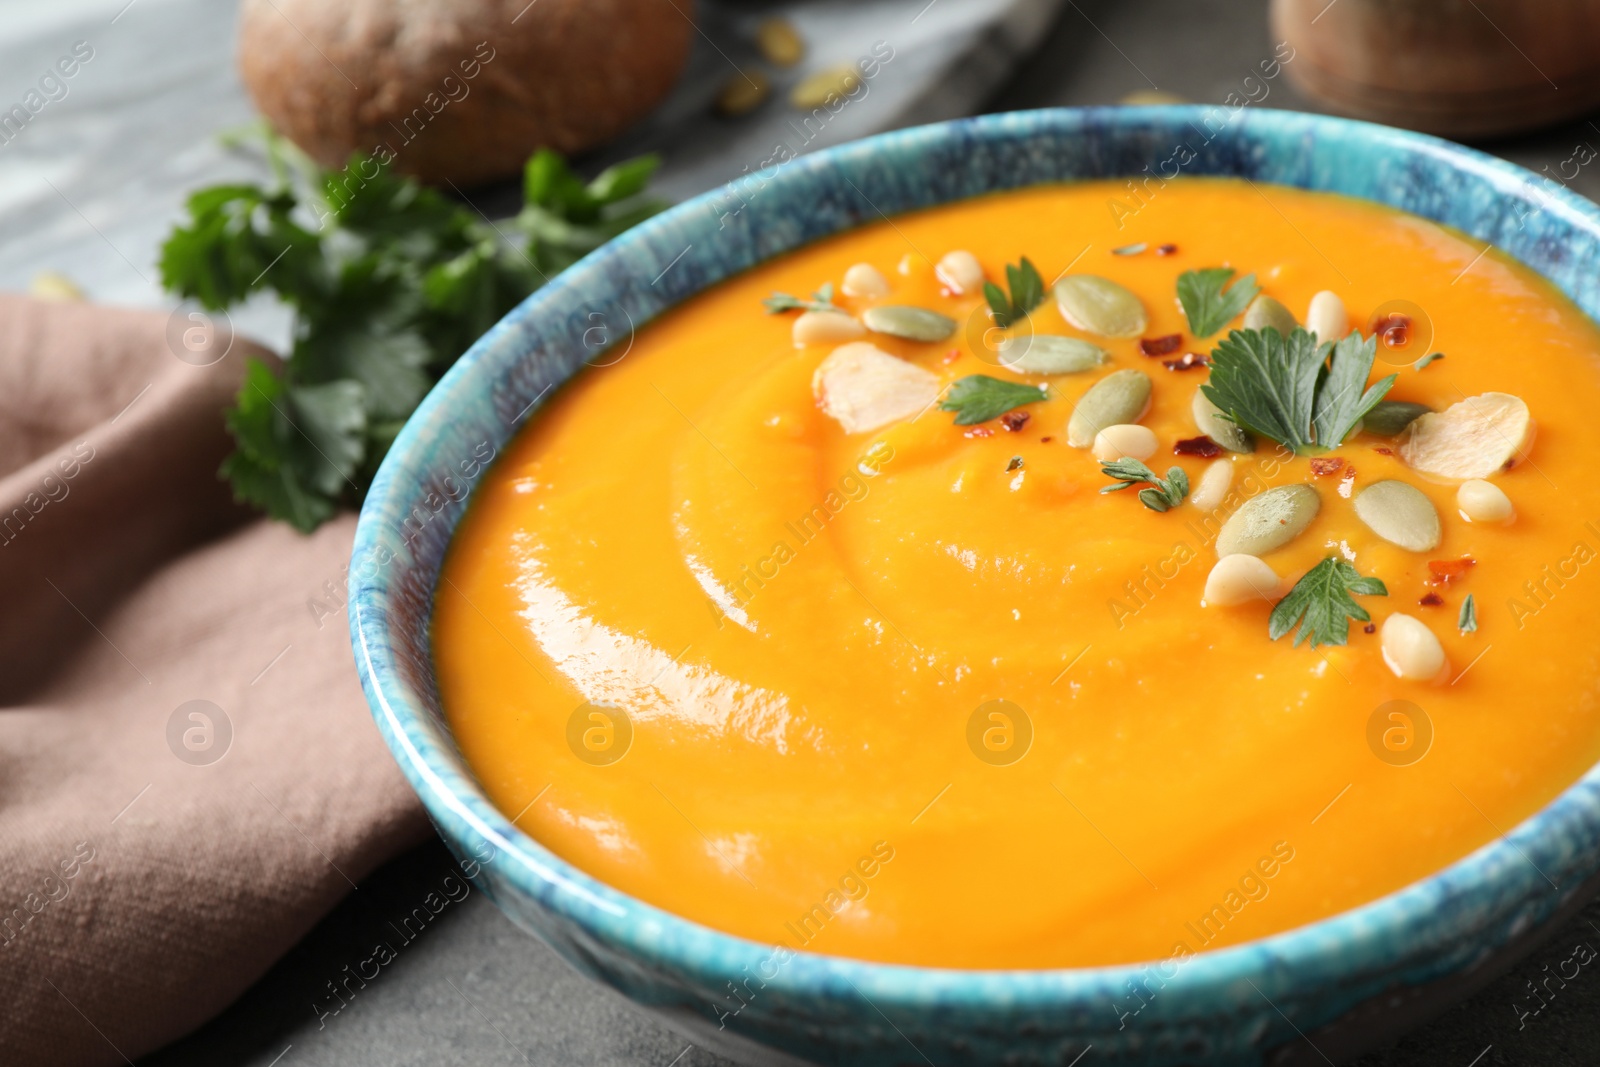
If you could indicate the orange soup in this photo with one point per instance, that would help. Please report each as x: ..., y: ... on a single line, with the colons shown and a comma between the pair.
x: 841, y: 645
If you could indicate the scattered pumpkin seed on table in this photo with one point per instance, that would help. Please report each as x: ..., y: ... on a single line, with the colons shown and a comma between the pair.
x: 780, y: 43
x: 743, y: 93
x: 816, y: 90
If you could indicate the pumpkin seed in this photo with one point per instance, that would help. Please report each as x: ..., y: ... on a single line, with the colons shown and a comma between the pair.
x: 1269, y: 521
x: 743, y: 93
x: 1265, y: 311
x: 1400, y: 514
x: 914, y: 324
x: 1099, y: 306
x: 780, y: 43
x: 1209, y: 421
x: 1121, y: 396
x: 1389, y: 418
x: 822, y: 86
x: 1049, y: 354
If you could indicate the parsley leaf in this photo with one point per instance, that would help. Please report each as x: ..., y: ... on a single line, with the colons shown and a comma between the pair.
x: 1427, y: 359
x: 1322, y: 605
x: 1467, y: 621
x: 390, y: 282
x: 1027, y: 293
x: 1166, y: 493
x: 821, y: 300
x: 979, y: 398
x: 1299, y: 393
x: 1206, y: 306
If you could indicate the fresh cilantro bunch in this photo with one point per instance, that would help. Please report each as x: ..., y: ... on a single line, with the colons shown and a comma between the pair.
x: 390, y: 282
x: 1297, y: 392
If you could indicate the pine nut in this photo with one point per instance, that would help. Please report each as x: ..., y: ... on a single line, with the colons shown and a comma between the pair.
x: 1482, y: 501
x: 961, y: 271
x: 1411, y: 650
x: 1239, y: 579
x: 864, y: 279
x: 825, y: 328
x: 1326, y: 317
x: 1127, y: 440
x: 1212, y: 489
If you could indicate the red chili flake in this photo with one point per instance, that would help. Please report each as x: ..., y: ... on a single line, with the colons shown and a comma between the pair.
x: 1160, y: 346
x: 1015, y: 420
x: 1188, y: 361
x: 1394, y: 328
x: 979, y: 431
x: 1384, y: 451
x: 1166, y: 250
x: 1046, y: 440
x: 1201, y: 446
x: 952, y: 355
x: 1327, y: 465
x: 1432, y: 600
x: 1445, y: 571
x: 1370, y: 628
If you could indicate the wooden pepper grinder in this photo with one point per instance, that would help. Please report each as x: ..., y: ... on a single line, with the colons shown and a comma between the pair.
x: 1460, y: 68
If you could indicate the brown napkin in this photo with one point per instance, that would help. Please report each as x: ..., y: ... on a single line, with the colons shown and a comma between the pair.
x: 157, y: 855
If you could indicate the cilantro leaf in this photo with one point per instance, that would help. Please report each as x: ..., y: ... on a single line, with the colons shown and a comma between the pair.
x: 1205, y: 304
x: 979, y: 398
x: 1340, y: 402
x: 1293, y: 390
x: 1467, y: 621
x: 389, y: 282
x: 821, y: 300
x: 296, y: 447
x: 1027, y: 293
x: 1164, y: 494
x: 1322, y: 606
x: 239, y: 241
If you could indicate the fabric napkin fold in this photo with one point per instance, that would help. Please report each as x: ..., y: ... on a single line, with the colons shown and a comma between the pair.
x: 189, y: 778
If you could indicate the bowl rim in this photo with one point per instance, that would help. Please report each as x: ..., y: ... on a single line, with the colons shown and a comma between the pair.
x: 1385, y: 928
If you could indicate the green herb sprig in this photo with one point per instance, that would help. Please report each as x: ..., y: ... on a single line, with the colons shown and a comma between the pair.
x: 821, y: 300
x: 1322, y: 604
x: 1206, y: 305
x: 1163, y: 494
x: 1306, y: 396
x: 1467, y: 621
x: 389, y: 282
x: 979, y: 398
x: 1027, y: 293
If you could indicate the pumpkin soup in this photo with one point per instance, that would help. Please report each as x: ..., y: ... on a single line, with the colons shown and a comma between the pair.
x: 1052, y: 578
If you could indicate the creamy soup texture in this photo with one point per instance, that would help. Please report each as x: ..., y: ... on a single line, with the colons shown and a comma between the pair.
x: 771, y: 650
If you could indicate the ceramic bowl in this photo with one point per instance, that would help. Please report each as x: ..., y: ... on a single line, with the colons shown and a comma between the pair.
x: 1314, y: 994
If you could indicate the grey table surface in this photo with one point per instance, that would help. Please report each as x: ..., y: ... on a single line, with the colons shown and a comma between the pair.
x: 473, y: 989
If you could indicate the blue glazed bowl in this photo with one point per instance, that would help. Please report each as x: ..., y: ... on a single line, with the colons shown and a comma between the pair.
x: 1321, y: 992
